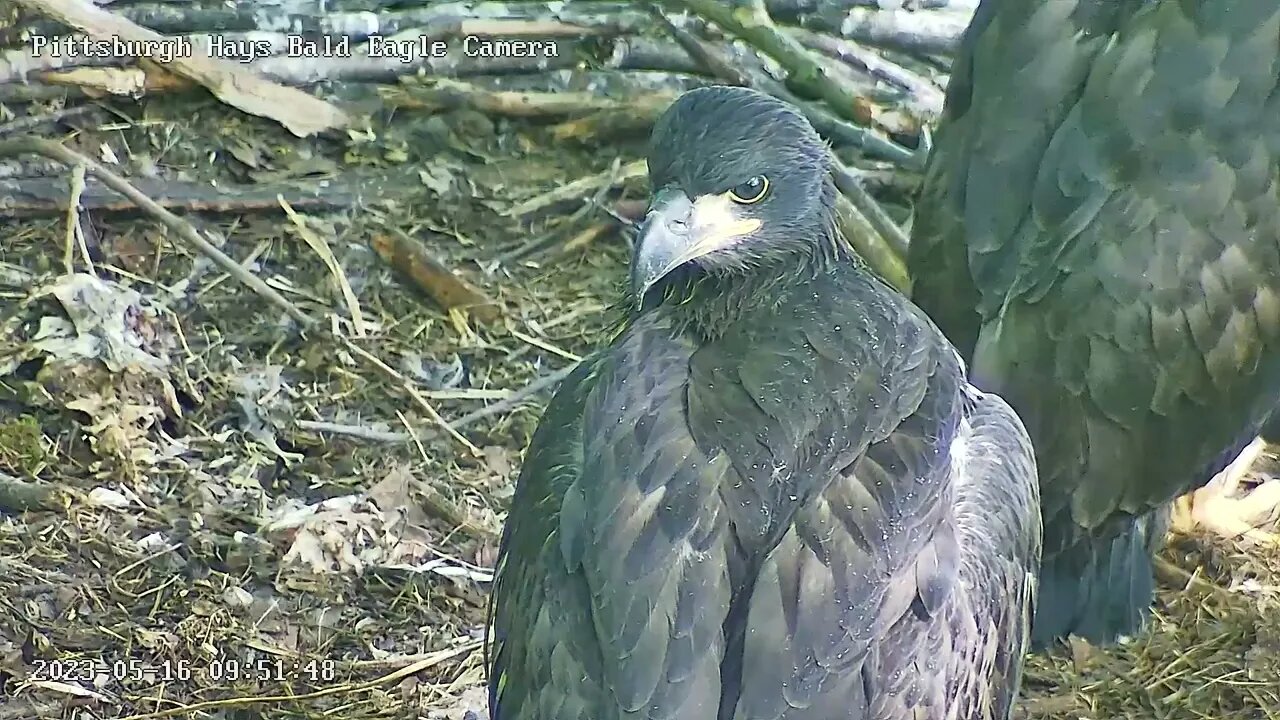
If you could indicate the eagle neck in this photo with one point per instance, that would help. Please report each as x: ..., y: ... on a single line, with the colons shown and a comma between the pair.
x: 707, y: 305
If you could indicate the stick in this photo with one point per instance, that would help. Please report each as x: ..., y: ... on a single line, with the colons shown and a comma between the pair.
x: 27, y: 196
x: 582, y: 186
x: 923, y: 95
x: 26, y: 124
x: 184, y: 230
x: 17, y: 496
x: 760, y: 31
x: 444, y: 94
x: 699, y: 51
x: 512, y: 401
x: 871, y: 246
x: 409, y: 257
x: 407, y: 386
x: 917, y: 32
x: 517, y: 397
x: 749, y: 20
x: 849, y: 185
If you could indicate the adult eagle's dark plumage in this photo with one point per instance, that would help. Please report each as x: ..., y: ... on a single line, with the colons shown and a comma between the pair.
x: 1099, y: 234
x: 773, y: 494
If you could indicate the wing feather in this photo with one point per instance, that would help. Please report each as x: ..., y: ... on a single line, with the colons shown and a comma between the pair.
x: 1104, y: 192
x: 763, y: 526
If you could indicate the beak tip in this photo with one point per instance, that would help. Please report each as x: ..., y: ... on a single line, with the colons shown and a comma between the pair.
x: 659, y: 243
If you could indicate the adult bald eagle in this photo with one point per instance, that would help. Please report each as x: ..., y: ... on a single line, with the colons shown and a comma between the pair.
x: 773, y: 494
x: 1099, y: 234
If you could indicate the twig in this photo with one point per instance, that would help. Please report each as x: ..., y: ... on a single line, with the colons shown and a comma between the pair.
x: 828, y: 125
x: 922, y: 31
x: 321, y: 248
x: 411, y: 259
x: 582, y: 186
x: 586, y: 238
x: 749, y: 20
x: 699, y: 51
x: 72, y: 218
x: 849, y: 185
x: 923, y: 95
x: 544, y: 345
x: 758, y: 30
x: 434, y: 501
x: 426, y: 663
x: 15, y: 275
x: 512, y: 401
x: 870, y: 245
x: 413, y: 393
x: 130, y: 82
x: 25, y: 124
x: 880, y: 181
x: 355, y: 431
x: 1176, y: 577
x: 846, y: 133
x: 608, y: 125
x: 25, y: 195
x: 1047, y: 707
x: 517, y: 397
x: 445, y: 94
x: 184, y: 230
x: 540, y: 242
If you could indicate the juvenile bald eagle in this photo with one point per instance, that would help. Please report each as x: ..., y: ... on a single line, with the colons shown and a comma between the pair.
x: 773, y: 494
x: 1099, y: 234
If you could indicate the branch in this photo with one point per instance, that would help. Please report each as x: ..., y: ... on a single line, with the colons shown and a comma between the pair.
x: 923, y: 31
x: 749, y: 21
x: 409, y: 257
x: 700, y: 52
x: 923, y: 95
x: 851, y: 187
x: 31, y: 122
x: 17, y: 496
x: 35, y: 196
x: 184, y: 230
x: 871, y: 246
x: 444, y: 94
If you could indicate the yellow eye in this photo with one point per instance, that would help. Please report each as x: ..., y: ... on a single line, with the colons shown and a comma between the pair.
x: 751, y: 191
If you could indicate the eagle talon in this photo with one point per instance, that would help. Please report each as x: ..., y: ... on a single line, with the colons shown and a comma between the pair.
x: 1224, y: 508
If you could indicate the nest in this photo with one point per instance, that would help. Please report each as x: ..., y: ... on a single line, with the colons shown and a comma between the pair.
x: 233, y: 517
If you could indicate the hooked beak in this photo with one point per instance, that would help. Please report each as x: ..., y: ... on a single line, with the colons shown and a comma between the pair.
x: 678, y: 230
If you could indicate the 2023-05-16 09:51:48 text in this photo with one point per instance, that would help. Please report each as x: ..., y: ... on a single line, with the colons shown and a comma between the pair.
x: 262, y: 670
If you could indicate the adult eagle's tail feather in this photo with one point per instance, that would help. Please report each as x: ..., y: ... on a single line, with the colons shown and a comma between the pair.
x: 1099, y: 589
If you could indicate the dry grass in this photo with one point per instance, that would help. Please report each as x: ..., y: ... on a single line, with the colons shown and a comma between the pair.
x: 1211, y: 651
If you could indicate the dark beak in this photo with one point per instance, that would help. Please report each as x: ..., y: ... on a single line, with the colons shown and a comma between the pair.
x: 678, y: 230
